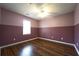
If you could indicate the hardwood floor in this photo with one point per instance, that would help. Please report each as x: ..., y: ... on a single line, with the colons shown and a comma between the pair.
x: 39, y: 48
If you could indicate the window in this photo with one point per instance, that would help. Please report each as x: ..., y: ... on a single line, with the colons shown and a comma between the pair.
x: 26, y: 27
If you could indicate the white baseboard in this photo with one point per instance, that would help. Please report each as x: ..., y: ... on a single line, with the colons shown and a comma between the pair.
x: 40, y: 38
x: 76, y: 49
x: 62, y: 43
x: 56, y: 41
x: 37, y: 38
x: 17, y: 43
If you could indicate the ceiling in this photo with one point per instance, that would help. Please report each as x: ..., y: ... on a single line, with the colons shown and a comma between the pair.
x: 39, y: 10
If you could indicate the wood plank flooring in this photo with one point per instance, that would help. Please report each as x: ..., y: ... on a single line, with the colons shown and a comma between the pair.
x: 39, y: 48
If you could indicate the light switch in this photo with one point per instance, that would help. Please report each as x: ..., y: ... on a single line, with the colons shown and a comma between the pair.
x: 14, y: 39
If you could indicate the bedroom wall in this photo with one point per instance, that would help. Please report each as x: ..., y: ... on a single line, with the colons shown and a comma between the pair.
x: 59, y: 28
x: 76, y: 23
x: 0, y: 26
x: 0, y: 15
x: 11, y: 27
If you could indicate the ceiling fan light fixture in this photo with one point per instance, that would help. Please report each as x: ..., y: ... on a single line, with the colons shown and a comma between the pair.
x: 43, y: 14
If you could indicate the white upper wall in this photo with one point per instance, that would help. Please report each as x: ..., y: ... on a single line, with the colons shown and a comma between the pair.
x: 11, y: 18
x: 58, y: 21
x: 76, y: 15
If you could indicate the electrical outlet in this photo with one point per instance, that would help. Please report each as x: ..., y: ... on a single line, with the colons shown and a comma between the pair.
x: 14, y: 39
x: 77, y: 43
x: 61, y: 38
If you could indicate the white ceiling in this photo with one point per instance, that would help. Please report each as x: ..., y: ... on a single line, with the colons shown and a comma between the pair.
x: 39, y: 10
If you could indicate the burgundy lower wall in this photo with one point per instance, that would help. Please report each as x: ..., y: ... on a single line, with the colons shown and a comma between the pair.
x: 77, y: 36
x: 8, y: 33
x: 0, y: 34
x: 57, y: 32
